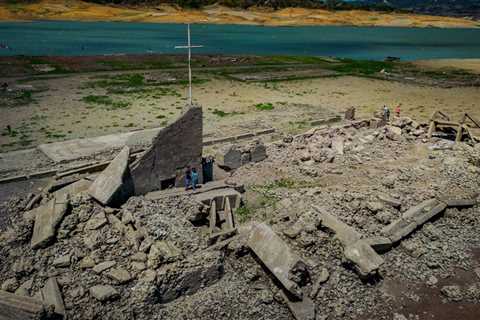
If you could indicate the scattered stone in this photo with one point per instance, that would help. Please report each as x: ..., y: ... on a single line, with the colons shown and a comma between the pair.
x: 99, y: 268
x: 10, y: 285
x: 25, y: 288
x: 453, y: 292
x: 114, y: 185
x: 162, y: 252
x: 97, y: 221
x: 87, y: 262
x: 432, y: 280
x: 119, y: 275
x: 139, y: 257
x: 104, y: 293
x: 62, y: 261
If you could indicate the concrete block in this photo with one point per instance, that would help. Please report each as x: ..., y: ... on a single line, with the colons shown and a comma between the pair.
x: 399, y: 229
x: 461, y: 203
x: 52, y: 296
x: 424, y: 206
x: 114, y: 185
x: 277, y: 256
x: 229, y: 157
x: 366, y: 260
x: 346, y: 234
x: 426, y: 215
x: 47, y: 219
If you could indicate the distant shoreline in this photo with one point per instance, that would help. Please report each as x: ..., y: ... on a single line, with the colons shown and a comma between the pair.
x: 76, y: 10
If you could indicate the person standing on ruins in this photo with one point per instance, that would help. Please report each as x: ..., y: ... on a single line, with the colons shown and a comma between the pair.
x: 386, y: 113
x: 188, y: 177
x: 397, y: 110
x: 194, y: 176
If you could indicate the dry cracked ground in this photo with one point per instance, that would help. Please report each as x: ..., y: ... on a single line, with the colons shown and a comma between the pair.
x: 367, y: 181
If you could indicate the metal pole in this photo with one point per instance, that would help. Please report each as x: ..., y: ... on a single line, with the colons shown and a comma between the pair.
x: 189, y: 67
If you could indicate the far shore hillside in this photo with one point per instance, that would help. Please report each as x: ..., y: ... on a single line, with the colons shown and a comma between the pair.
x: 84, y: 11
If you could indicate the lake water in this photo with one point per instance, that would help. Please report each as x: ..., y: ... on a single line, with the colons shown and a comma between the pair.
x: 97, y: 38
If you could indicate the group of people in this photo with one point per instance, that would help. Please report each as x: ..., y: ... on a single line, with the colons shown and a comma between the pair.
x: 191, y: 178
x: 386, y: 112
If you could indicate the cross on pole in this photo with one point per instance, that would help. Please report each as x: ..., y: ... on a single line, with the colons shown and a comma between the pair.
x: 189, y: 46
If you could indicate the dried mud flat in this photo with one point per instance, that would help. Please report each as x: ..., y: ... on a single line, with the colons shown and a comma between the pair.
x: 367, y: 181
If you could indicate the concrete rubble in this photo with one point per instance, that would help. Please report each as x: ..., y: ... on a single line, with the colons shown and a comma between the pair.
x: 114, y: 185
x: 344, y: 217
x: 234, y: 156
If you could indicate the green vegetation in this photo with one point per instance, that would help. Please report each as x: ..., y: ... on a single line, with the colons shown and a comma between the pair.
x: 361, y: 67
x: 244, y: 213
x: 264, y: 106
x: 222, y: 113
x: 105, y: 101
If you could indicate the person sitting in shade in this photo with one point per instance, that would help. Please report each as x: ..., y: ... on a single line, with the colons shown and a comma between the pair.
x: 194, y: 176
x: 386, y: 113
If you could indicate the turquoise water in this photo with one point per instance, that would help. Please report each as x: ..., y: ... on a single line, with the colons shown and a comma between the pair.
x: 98, y: 38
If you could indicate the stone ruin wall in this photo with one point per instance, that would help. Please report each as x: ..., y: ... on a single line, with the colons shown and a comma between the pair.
x: 174, y: 148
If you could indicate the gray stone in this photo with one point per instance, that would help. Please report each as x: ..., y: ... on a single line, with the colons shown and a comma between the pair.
x: 114, y: 185
x: 258, y: 151
x: 277, y: 256
x: 162, y: 252
x: 62, y: 261
x: 13, y: 307
x: 174, y: 148
x: 87, y: 262
x: 99, y: 268
x: 139, y: 257
x: 461, y: 203
x: 47, y: 220
x: 104, y: 293
x: 390, y: 201
x: 10, y: 285
x: 229, y: 157
x: 97, y: 221
x: 51, y: 296
x: 453, y: 292
x: 119, y: 275
x: 189, y: 275
x: 366, y: 260
x: 303, y: 309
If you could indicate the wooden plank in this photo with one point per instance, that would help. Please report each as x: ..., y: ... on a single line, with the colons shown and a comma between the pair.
x: 16, y: 307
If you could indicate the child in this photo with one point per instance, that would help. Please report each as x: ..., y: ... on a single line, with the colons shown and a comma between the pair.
x: 397, y: 110
x: 194, y: 178
x: 188, y: 177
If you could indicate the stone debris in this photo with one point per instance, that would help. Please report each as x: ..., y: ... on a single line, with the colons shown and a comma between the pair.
x: 15, y: 307
x: 233, y: 156
x: 52, y: 296
x: 114, y: 185
x: 62, y: 261
x: 119, y: 275
x: 165, y: 160
x: 278, y: 258
x: 99, y: 268
x: 104, y: 293
x: 47, y: 220
x: 303, y: 309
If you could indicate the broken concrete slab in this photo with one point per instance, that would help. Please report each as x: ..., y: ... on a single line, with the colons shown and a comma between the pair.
x: 175, y: 147
x: 52, y: 296
x: 104, y: 293
x: 277, y: 256
x: 415, y: 211
x: 15, y: 307
x: 114, y: 185
x: 77, y: 187
x: 303, y: 309
x: 390, y: 201
x: 379, y: 244
x: 190, y: 275
x: 258, y: 151
x: 399, y: 229
x: 219, y: 196
x: 229, y: 157
x: 366, y: 260
x: 461, y: 203
x: 346, y: 234
x: 47, y: 219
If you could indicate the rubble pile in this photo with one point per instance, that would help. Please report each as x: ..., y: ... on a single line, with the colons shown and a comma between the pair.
x: 328, y: 221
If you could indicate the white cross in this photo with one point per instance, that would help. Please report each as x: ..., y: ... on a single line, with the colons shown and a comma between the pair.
x: 189, y: 47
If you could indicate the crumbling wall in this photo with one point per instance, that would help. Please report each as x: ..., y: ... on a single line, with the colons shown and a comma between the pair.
x: 174, y: 148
